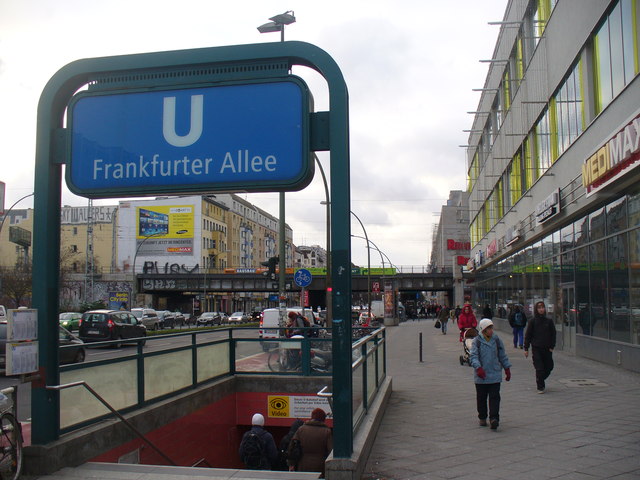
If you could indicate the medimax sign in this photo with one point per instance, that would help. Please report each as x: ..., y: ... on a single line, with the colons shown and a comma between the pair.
x: 619, y: 155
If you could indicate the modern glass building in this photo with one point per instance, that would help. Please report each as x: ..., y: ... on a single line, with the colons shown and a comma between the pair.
x: 554, y: 188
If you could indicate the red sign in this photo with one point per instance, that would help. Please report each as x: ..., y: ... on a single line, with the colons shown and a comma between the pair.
x: 305, y: 298
x: 492, y: 248
x: 462, y: 260
x: 453, y: 245
x: 375, y: 287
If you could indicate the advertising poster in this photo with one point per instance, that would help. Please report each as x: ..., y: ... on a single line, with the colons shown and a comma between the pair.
x: 165, y: 230
x: 119, y: 300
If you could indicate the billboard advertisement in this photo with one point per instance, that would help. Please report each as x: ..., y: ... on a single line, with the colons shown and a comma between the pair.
x: 164, y: 230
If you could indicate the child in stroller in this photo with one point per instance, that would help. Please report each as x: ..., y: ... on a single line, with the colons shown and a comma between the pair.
x: 467, y: 340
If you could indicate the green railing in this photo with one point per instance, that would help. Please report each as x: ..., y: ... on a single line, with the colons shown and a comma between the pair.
x: 141, y: 376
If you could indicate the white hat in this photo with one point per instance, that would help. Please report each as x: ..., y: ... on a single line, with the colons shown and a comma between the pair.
x: 257, y: 419
x: 484, y: 323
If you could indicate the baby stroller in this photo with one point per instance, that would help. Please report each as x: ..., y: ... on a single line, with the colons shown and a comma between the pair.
x: 467, y: 340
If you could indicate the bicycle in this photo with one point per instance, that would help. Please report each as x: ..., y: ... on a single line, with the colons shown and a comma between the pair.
x: 284, y: 359
x: 10, y: 438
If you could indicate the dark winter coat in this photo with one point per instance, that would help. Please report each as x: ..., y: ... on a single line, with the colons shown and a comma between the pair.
x: 284, y: 445
x: 317, y: 442
x: 541, y: 332
x: 268, y: 443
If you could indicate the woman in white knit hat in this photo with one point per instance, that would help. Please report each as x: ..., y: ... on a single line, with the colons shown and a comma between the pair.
x: 488, y: 357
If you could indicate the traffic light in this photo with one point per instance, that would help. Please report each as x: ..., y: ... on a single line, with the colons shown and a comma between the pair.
x: 271, y: 265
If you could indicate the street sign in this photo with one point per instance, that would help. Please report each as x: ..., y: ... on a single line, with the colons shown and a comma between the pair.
x: 302, y: 277
x: 250, y: 137
x: 375, y: 287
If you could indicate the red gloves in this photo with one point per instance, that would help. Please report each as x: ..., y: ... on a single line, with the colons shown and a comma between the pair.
x: 481, y: 373
x: 507, y: 373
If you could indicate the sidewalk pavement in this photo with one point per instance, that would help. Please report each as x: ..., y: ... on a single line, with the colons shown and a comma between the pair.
x: 585, y: 426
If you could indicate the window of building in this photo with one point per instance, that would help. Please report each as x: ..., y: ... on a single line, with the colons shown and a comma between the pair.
x: 617, y: 216
x: 615, y: 57
x: 568, y: 110
x: 542, y: 135
x: 75, y: 231
x: 515, y: 178
x: 596, y: 224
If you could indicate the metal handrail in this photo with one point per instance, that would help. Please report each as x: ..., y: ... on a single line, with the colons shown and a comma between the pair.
x: 328, y: 395
x: 115, y: 412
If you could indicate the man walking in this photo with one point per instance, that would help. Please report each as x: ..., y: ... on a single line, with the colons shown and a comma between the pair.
x: 541, y: 336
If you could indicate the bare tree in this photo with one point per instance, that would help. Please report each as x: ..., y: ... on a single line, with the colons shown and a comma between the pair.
x: 16, y: 284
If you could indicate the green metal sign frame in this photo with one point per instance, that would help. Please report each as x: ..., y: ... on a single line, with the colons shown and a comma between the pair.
x: 239, y: 62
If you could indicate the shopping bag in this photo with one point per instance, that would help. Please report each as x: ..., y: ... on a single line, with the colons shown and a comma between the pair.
x: 437, y: 324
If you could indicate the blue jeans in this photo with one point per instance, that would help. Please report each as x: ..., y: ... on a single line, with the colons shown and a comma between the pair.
x: 518, y: 336
x: 443, y: 327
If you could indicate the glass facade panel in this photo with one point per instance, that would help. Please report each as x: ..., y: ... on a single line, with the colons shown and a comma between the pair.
x: 617, y: 216
x: 581, y: 256
x: 596, y: 225
x: 634, y: 284
x: 604, y: 93
x: 634, y: 209
x: 618, y: 280
x: 581, y: 231
x: 598, y: 284
x: 566, y: 237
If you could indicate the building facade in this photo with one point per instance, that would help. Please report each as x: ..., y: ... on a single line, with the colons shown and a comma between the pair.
x: 313, y: 256
x: 554, y: 197
x: 450, y: 245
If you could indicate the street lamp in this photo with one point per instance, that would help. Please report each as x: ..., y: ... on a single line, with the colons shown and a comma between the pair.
x: 368, y: 263
x: 327, y: 202
x: 133, y: 267
x: 277, y: 24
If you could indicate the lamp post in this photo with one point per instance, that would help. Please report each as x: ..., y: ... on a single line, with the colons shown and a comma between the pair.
x: 277, y: 24
x: 368, y: 263
x: 327, y: 202
x: 133, y: 267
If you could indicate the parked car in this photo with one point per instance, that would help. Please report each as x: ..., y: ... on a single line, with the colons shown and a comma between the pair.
x: 70, y: 320
x: 103, y: 325
x: 167, y: 318
x: 148, y: 316
x: 209, y: 318
x: 179, y: 318
x: 238, y: 317
x: 74, y: 351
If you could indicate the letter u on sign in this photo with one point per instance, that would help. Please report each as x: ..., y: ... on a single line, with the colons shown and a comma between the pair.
x: 169, y: 122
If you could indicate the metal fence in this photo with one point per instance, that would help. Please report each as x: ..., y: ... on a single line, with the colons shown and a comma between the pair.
x: 143, y: 375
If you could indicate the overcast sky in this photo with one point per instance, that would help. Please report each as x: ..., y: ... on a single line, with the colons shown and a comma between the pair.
x: 410, y: 67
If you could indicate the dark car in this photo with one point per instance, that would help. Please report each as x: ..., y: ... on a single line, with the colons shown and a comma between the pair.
x: 180, y: 318
x: 74, y: 351
x: 209, y: 318
x: 167, y: 318
x: 104, y: 325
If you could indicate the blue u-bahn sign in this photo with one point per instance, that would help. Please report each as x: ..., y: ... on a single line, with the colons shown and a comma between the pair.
x: 232, y: 137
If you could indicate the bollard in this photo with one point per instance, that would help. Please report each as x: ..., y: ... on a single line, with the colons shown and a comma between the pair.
x: 420, y: 347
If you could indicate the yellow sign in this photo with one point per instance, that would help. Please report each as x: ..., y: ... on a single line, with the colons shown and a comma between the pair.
x: 278, y: 406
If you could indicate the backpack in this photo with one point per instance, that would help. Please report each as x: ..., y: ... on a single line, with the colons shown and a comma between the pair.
x: 519, y: 319
x: 295, y: 452
x: 253, y: 452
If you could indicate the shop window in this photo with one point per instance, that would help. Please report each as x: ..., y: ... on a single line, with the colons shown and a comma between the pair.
x: 596, y: 224
x: 617, y: 216
x: 633, y: 209
x: 566, y: 237
x: 618, y: 282
x: 581, y: 231
x: 634, y: 284
x: 581, y: 268
x: 598, y: 290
